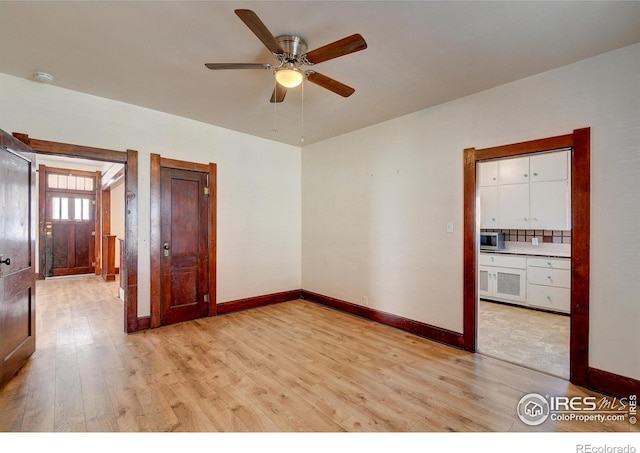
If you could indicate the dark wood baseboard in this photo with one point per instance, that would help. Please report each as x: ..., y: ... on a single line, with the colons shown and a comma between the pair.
x: 144, y: 323
x: 258, y: 301
x: 613, y: 384
x: 408, y: 325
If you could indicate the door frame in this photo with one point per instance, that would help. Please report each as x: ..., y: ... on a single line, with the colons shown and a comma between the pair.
x: 158, y: 162
x: 130, y: 160
x: 42, y: 191
x: 580, y: 143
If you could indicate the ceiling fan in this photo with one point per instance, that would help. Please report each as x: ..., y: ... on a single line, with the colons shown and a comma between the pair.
x: 291, y: 53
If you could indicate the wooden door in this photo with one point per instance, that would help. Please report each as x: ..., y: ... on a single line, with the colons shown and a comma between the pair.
x: 69, y: 229
x: 17, y: 253
x: 184, y: 242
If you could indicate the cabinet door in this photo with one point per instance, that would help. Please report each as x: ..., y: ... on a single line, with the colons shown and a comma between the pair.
x: 510, y: 284
x: 550, y: 205
x: 488, y: 173
x: 513, y: 171
x: 484, y: 288
x: 489, y: 207
x: 549, y: 298
x: 513, y: 206
x: 549, y: 166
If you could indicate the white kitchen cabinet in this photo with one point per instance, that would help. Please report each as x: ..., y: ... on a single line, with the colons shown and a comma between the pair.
x: 553, y: 166
x: 513, y: 171
x: 550, y: 205
x: 513, y: 206
x: 489, y: 207
x: 488, y: 173
x: 502, y: 278
x: 549, y: 283
x: 539, y: 201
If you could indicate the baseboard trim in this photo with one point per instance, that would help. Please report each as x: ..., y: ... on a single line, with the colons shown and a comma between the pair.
x: 258, y: 301
x: 613, y: 384
x: 408, y: 325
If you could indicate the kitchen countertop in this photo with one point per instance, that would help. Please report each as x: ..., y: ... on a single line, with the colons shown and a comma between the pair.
x: 526, y: 248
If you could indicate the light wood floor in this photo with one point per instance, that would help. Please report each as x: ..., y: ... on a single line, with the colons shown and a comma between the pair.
x: 294, y: 366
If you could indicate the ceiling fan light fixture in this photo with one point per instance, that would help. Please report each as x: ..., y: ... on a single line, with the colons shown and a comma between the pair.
x: 289, y: 77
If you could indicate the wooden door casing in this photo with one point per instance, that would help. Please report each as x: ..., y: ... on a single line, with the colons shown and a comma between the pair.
x: 185, y: 240
x: 17, y: 244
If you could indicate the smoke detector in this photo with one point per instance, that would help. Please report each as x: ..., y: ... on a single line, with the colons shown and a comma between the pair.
x: 43, y: 77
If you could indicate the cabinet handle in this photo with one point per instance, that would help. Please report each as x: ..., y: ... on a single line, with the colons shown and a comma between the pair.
x: 525, y: 219
x: 548, y: 264
x: 535, y: 174
x: 493, y: 219
x: 526, y: 175
x: 535, y: 219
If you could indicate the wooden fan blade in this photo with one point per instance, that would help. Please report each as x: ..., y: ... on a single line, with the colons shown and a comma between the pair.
x: 279, y: 92
x: 350, y: 44
x: 254, y: 23
x: 238, y: 65
x: 330, y: 84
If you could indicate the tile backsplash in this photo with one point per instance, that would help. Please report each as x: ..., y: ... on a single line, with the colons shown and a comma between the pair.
x: 552, y: 236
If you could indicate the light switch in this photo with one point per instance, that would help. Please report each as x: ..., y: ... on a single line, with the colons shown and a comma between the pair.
x: 449, y: 227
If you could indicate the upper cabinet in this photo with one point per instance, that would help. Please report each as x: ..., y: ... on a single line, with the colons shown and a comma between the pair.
x: 488, y: 173
x: 549, y: 166
x: 532, y: 192
x: 513, y: 171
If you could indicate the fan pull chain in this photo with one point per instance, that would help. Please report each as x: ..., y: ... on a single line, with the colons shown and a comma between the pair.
x: 302, y: 116
x: 275, y: 107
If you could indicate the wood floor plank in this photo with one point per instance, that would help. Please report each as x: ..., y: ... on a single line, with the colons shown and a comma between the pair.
x: 290, y: 367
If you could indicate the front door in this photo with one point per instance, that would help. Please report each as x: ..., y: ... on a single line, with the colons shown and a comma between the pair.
x: 17, y: 255
x: 69, y: 228
x: 185, y: 239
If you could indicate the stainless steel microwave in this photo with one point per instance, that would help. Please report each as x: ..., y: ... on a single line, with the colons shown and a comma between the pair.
x: 491, y: 241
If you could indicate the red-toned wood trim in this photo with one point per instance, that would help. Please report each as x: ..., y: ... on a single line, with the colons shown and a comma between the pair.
x: 131, y: 242
x: 579, y: 142
x: 580, y: 256
x: 41, y: 220
x: 470, y: 234
x: 528, y: 147
x: 408, y: 325
x: 213, y: 241
x: 613, y: 384
x: 158, y: 162
x: 130, y: 159
x: 258, y: 301
x: 70, y: 150
x: 183, y: 165
x: 97, y: 248
x: 144, y: 323
x: 155, y: 241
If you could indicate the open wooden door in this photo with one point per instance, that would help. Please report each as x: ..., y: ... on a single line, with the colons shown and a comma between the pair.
x: 17, y: 255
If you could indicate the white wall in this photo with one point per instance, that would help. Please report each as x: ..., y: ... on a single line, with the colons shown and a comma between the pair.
x: 376, y: 201
x: 259, y: 211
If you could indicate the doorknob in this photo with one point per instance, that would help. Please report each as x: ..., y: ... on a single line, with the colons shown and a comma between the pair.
x: 6, y: 261
x: 166, y: 247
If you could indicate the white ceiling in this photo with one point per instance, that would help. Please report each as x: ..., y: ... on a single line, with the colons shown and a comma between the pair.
x: 420, y: 54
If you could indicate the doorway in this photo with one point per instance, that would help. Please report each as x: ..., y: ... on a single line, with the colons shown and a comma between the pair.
x: 579, y: 142
x: 129, y: 159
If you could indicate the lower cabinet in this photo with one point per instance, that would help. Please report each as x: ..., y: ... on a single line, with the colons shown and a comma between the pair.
x: 549, y: 283
x: 502, y: 278
x: 539, y: 282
